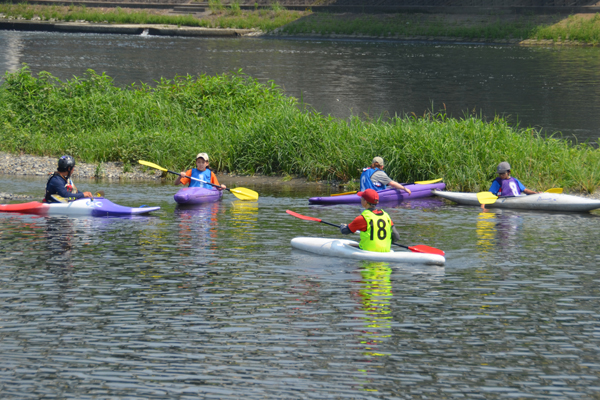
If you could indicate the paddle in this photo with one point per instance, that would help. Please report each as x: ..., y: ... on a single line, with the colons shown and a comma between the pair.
x: 421, y: 248
x: 60, y: 199
x: 418, y: 183
x: 240, y: 193
x: 489, y: 198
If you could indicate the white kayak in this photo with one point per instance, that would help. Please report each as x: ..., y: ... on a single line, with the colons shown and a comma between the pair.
x: 542, y: 201
x: 349, y: 249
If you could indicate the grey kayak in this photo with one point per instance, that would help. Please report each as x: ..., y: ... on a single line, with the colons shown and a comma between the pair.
x: 349, y: 249
x: 542, y: 201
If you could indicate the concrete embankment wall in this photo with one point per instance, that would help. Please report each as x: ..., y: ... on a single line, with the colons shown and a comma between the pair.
x: 127, y: 29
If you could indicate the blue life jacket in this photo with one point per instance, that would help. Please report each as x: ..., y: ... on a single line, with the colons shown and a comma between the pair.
x: 204, y: 175
x: 367, y: 183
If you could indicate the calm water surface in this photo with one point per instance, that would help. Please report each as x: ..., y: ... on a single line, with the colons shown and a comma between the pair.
x: 554, y: 88
x: 212, y: 302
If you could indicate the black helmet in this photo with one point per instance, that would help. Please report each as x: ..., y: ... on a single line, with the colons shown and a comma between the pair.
x: 65, y: 162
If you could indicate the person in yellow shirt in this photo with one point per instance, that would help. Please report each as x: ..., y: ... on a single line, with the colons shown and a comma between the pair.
x: 377, y: 231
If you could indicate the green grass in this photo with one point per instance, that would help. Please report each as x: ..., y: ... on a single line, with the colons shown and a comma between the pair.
x: 248, y: 127
x: 575, y: 28
x: 581, y: 29
x: 224, y: 17
x: 585, y: 30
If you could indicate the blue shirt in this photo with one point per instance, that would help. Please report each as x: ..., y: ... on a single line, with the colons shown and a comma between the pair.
x: 56, y: 185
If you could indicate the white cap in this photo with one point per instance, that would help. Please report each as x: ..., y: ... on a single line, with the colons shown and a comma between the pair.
x: 378, y: 160
x: 202, y: 155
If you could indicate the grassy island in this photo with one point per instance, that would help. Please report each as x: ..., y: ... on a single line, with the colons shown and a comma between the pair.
x: 253, y: 128
x: 574, y: 29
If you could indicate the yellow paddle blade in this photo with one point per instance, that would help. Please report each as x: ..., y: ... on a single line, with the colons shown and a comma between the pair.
x: 244, y: 194
x: 486, y: 198
x: 59, y: 198
x: 152, y: 165
x: 341, y: 194
x: 428, y: 182
x: 555, y: 190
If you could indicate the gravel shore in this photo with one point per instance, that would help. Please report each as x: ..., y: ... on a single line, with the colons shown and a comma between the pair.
x: 11, y: 164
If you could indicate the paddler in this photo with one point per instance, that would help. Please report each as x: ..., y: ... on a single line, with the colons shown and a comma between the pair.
x: 61, y: 184
x: 506, y: 185
x: 377, y: 231
x: 375, y: 178
x: 201, y: 172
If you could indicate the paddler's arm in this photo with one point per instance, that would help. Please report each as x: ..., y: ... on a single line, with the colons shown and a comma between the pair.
x: 398, y: 186
x: 359, y: 224
x: 395, y: 234
x: 183, y: 179
x: 215, y: 181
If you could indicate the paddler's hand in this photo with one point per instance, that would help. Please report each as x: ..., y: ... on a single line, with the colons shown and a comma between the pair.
x: 88, y: 194
x: 183, y: 175
x: 344, y: 229
x: 222, y: 187
x: 408, y: 191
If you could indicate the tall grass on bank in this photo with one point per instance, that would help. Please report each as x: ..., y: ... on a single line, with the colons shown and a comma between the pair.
x: 227, y: 17
x: 575, y: 28
x: 248, y: 127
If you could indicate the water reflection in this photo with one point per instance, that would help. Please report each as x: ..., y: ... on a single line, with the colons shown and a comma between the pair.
x: 374, y: 295
x: 498, y: 229
x: 198, y: 229
x: 244, y: 223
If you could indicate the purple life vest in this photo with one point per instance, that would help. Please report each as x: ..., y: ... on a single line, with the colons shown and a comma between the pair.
x: 509, y: 187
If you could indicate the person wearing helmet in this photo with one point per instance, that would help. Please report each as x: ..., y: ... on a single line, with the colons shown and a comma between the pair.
x: 377, y: 231
x: 201, y: 172
x: 60, y: 182
x: 374, y: 178
x: 506, y: 185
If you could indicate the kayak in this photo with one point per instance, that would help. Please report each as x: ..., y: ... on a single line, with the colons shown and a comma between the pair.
x: 542, y: 201
x: 98, y: 207
x: 387, y: 195
x: 196, y: 195
x: 349, y: 249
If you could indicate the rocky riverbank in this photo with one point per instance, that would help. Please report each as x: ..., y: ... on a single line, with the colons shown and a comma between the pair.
x: 28, y: 165
x: 11, y: 164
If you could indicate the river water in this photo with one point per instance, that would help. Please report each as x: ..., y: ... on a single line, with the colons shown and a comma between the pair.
x: 212, y: 302
x: 556, y: 89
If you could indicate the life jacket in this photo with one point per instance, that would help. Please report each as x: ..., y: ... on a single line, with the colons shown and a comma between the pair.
x: 367, y: 183
x: 378, y: 236
x: 508, y: 187
x: 202, y: 175
x: 47, y: 198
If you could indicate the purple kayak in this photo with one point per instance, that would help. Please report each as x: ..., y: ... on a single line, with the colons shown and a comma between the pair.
x: 197, y: 195
x: 387, y: 195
